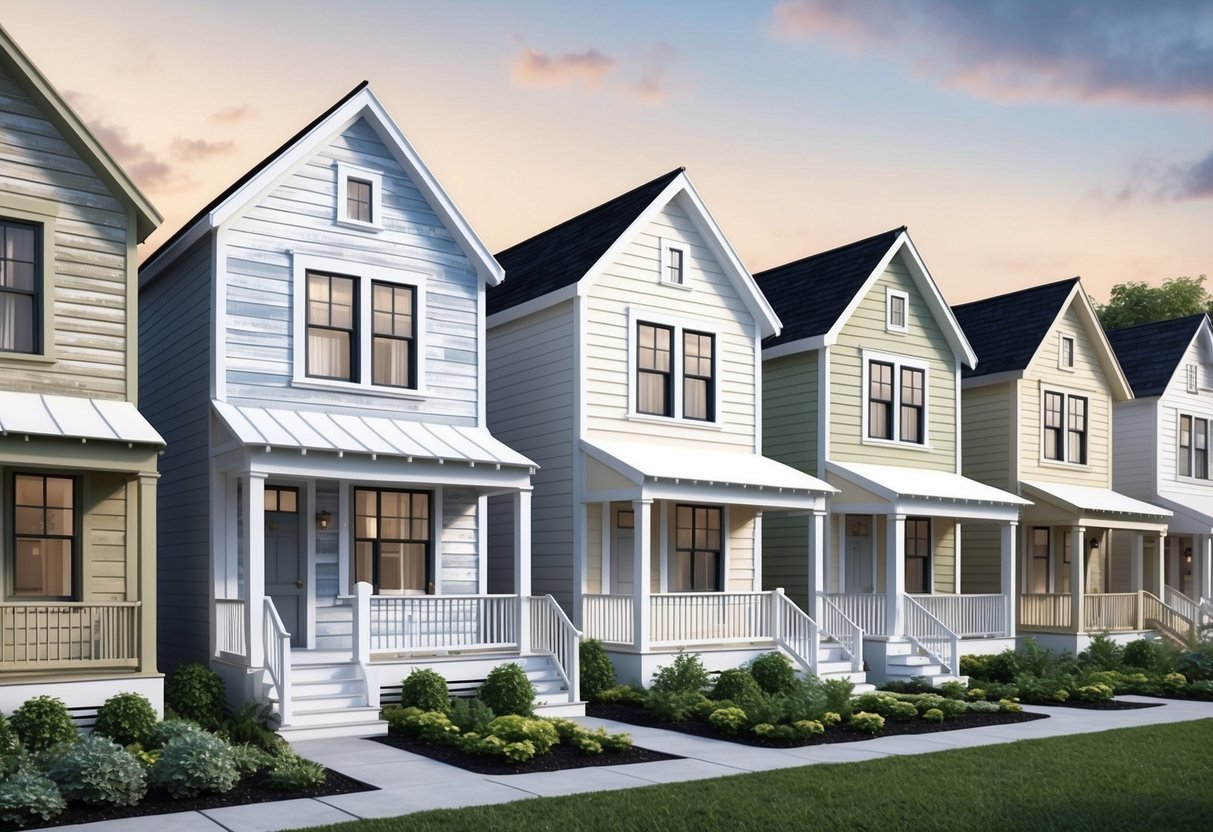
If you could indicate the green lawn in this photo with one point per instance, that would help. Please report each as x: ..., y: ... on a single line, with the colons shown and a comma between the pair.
x: 1140, y: 779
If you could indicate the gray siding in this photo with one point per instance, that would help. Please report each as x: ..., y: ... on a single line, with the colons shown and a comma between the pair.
x: 328, y: 543
x: 988, y: 436
x: 460, y: 542
x: 1135, y: 444
x: 790, y: 397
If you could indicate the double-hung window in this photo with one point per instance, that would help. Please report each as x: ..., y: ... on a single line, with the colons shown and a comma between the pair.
x: 654, y: 370
x: 698, y: 548
x: 698, y: 390
x: 675, y: 372
x: 392, y: 534
x: 20, y: 287
x: 44, y: 537
x: 896, y: 406
x: 1065, y: 434
x: 1193, y: 456
x: 394, y: 335
x: 332, y: 330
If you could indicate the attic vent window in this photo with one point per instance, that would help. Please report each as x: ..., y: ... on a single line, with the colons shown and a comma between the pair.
x: 1193, y: 378
x: 359, y: 198
x: 673, y: 263
x: 1065, y: 354
x: 897, y: 311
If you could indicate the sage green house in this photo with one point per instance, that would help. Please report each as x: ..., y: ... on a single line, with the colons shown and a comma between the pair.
x: 862, y: 388
x: 77, y: 460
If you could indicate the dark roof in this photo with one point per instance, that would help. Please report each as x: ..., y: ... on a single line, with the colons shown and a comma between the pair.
x: 260, y: 166
x: 809, y: 295
x: 1149, y: 353
x: 562, y: 255
x: 1005, y: 331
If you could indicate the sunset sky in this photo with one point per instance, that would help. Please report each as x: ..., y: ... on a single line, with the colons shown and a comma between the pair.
x: 1021, y: 142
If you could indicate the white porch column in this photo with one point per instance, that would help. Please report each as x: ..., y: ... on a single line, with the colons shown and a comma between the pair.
x: 1078, y: 575
x: 642, y: 512
x: 522, y: 565
x: 957, y: 584
x: 253, y: 535
x: 1010, y: 531
x: 1158, y: 575
x: 895, y: 574
x: 817, y: 557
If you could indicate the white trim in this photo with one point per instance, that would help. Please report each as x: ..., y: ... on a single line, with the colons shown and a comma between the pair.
x: 803, y: 345
x: 482, y: 349
x: 663, y: 547
x: 823, y: 411
x: 1192, y: 377
x: 866, y: 357
x: 364, y: 275
x: 482, y: 543
x: 1117, y: 383
x: 667, y: 246
x: 531, y: 306
x: 890, y: 295
x: 45, y: 214
x: 345, y: 172
x: 643, y: 315
x: 1066, y: 394
x: 1192, y: 478
x: 437, y: 516
x: 1062, y: 337
x: 219, y: 315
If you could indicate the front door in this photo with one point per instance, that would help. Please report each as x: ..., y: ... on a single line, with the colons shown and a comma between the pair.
x: 284, y: 566
x: 623, y: 548
x: 859, y: 554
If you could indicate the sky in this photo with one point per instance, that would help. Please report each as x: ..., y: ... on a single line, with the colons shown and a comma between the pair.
x: 1021, y: 141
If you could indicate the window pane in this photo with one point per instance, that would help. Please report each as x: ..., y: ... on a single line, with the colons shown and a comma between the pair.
x: 680, y: 581
x: 391, y: 567
x: 675, y: 274
x: 652, y: 394
x: 29, y: 490
x: 29, y: 520
x: 392, y: 362
x: 59, y: 492
x: 421, y: 505
x: 43, y: 568
x: 879, y: 424
x: 363, y: 553
x: 897, y: 311
x: 1185, y: 446
x: 59, y: 521
x: 16, y: 322
x: 287, y: 500
x: 695, y: 398
x: 706, y: 572
x: 328, y: 354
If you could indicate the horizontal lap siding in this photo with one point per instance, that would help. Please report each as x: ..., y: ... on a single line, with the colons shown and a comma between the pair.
x: 981, y: 558
x: 328, y: 543
x: 1140, y: 435
x: 1176, y: 400
x: 943, y: 570
x: 987, y: 435
x: 299, y: 214
x: 460, y: 567
x: 88, y: 277
x: 925, y: 341
x: 785, y: 555
x: 105, y: 539
x: 790, y: 410
x: 742, y: 530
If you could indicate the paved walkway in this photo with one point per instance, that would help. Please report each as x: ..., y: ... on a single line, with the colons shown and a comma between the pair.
x: 410, y: 783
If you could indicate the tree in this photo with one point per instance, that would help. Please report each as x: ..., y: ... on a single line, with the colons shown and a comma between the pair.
x: 1137, y: 302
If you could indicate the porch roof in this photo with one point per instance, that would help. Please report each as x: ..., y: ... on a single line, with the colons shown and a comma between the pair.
x: 312, y: 430
x: 1085, y: 499
x: 74, y: 417
x: 1196, y: 511
x: 896, y: 483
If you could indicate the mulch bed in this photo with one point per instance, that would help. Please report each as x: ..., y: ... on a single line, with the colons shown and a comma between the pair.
x: 251, y: 789
x: 840, y: 733
x: 560, y: 757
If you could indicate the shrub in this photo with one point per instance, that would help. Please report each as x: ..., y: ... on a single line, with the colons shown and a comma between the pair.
x: 933, y: 715
x: 1102, y: 654
x: 867, y: 722
x: 8, y: 738
x: 1197, y: 665
x: 837, y: 694
x: 1093, y: 693
x: 28, y: 797
x: 983, y: 707
x: 773, y: 672
x: 737, y: 685
x: 1174, y: 681
x: 673, y: 706
x: 402, y: 720
x: 772, y: 709
x: 703, y: 709
x: 162, y: 733
x: 245, y: 728
x: 953, y: 690
x: 1040, y: 661
x: 292, y: 773
x: 623, y: 695
x: 830, y: 719
x: 915, y: 684
x: 425, y: 689
x: 1141, y: 654
x: 436, y: 727
x: 685, y: 675
x: 1202, y: 689
x: 193, y: 763
x: 1001, y: 690
x: 507, y: 690
x: 195, y: 692
x: 807, y: 728
x: 96, y: 770
x: 43, y: 722
x: 952, y: 708
x: 471, y: 715
x: 125, y: 718
x: 1041, y: 690
x: 1008, y: 706
x: 728, y: 720
x: 1002, y: 667
x: 540, y: 733
x: 903, y: 712
x: 597, y: 672
x: 250, y: 759
x: 974, y: 666
x: 976, y: 694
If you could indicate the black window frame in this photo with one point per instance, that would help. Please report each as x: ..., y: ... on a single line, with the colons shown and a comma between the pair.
x: 1054, y: 423
x: 1183, y: 461
x: 912, y: 526
x: 889, y: 403
x: 1200, y: 448
x: 709, y: 380
x: 410, y: 339
x: 37, y: 293
x: 919, y: 408
x: 353, y: 330
x: 379, y: 538
x: 667, y: 386
x: 13, y: 536
x: 1035, y: 557
x: 1079, y: 433
x: 695, y: 552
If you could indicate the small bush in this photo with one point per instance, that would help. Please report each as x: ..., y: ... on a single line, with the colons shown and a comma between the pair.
x: 1140, y: 654
x: 773, y: 672
x: 597, y: 672
x: 673, y: 706
x: 728, y: 720
x: 162, y: 733
x: 807, y: 728
x: 250, y: 759
x: 43, y: 722
x: 98, y: 771
x: 976, y: 695
x: 402, y: 720
x: 903, y: 712
x: 830, y: 719
x: 1008, y: 706
x: 1002, y: 667
x: 1040, y: 661
x: 623, y: 695
x: 1173, y: 682
x: 539, y: 733
x: 952, y: 708
x: 194, y: 763
x: 1102, y: 654
x: 933, y: 715
x: 953, y: 690
x: 1093, y: 693
x: 837, y: 694
x: 867, y: 722
x: 8, y: 738
x: 125, y: 718
x: 773, y: 709
x: 685, y: 675
x: 195, y: 692
x: 436, y: 727
x: 974, y: 666
x: 425, y: 689
x: 245, y: 728
x: 507, y: 690
x: 983, y: 707
x: 471, y: 715
x: 292, y: 773
x: 1202, y: 689
x: 29, y: 797
x: 1001, y: 690
x: 704, y: 708
x: 738, y: 686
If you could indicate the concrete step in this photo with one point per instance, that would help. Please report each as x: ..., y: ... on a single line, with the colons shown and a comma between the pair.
x: 900, y: 671
x: 324, y: 717
x: 302, y: 702
x: 561, y: 709
x: 297, y: 733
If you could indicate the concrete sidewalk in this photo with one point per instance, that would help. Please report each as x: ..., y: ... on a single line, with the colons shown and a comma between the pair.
x: 410, y: 783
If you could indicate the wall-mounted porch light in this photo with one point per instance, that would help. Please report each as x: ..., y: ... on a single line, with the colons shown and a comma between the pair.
x: 323, y: 518
x: 1094, y: 543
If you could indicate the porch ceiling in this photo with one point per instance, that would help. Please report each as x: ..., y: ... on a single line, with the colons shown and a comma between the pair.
x: 920, y: 490
x: 74, y: 417
x: 1099, y: 505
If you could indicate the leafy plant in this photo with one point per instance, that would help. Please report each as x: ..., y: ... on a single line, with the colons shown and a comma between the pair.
x: 623, y: 695
x: 96, y: 770
x: 250, y: 759
x: 402, y: 720
x: 540, y: 733
x: 1102, y: 654
x: 125, y: 718
x: 597, y: 672
x: 292, y: 773
x: 195, y: 692
x: 933, y: 715
x: 807, y: 728
x: 728, y: 720
x: 507, y: 690
x: 830, y: 719
x: 425, y: 689
x: 673, y: 706
x: 27, y: 796
x: 867, y: 722
x: 738, y: 686
x: 436, y: 727
x: 903, y: 712
x: 194, y: 763
x: 773, y: 672
x: 837, y: 694
x: 471, y: 715
x: 1008, y: 706
x: 983, y: 707
x: 245, y: 727
x: 953, y: 690
x: 162, y: 733
x: 686, y: 675
x: 1093, y: 693
x: 8, y: 738
x: 43, y: 722
x: 1002, y: 667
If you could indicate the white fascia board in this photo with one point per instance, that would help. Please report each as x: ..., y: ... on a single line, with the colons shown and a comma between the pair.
x: 363, y: 469
x: 831, y: 336
x: 532, y: 306
x: 992, y: 378
x: 793, y: 347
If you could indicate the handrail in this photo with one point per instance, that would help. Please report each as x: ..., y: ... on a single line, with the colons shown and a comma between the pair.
x: 795, y: 631
x: 931, y: 635
x: 1195, y: 612
x: 553, y: 633
x: 277, y: 644
x: 1169, y: 620
x: 837, y: 625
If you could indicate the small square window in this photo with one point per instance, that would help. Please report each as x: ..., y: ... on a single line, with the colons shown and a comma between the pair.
x: 1065, y: 355
x: 897, y: 311
x: 359, y: 198
x: 673, y: 263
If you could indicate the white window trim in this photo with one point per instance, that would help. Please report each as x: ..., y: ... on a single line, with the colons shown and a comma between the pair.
x: 1192, y: 478
x: 1192, y: 378
x: 1065, y: 427
x: 364, y: 275
x: 1062, y: 337
x: 344, y: 173
x: 44, y: 213
x: 866, y: 357
x: 666, y: 246
x: 639, y: 315
x: 889, y: 326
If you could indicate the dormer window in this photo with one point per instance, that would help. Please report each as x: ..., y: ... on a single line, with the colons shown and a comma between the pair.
x: 359, y: 197
x: 1065, y: 353
x: 674, y: 263
x: 897, y: 311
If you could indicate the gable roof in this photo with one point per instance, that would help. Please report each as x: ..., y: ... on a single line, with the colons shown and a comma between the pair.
x: 566, y: 259
x: 815, y: 296
x: 1006, y: 330
x: 1150, y: 353
x: 358, y: 103
x: 74, y: 131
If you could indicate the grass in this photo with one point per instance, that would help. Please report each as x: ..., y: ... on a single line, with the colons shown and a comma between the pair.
x: 1152, y: 778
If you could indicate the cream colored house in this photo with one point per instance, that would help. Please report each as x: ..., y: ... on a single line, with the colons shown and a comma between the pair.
x: 624, y: 358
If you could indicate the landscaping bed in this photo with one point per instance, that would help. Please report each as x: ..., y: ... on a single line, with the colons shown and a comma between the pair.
x: 559, y: 758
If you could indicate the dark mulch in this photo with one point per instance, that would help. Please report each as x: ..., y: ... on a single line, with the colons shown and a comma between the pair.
x: 558, y: 758
x: 840, y: 733
x: 252, y: 789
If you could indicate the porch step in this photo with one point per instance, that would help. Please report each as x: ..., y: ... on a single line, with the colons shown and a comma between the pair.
x: 336, y: 722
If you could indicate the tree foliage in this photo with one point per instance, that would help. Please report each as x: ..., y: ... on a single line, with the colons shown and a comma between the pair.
x: 1137, y: 302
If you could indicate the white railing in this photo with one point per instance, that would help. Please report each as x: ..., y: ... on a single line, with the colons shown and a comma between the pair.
x: 795, y: 631
x: 1111, y: 611
x: 865, y: 609
x: 608, y: 618
x: 1156, y: 614
x: 969, y: 616
x: 554, y: 634
x: 849, y: 635
x: 1046, y: 611
x: 404, y: 623
x: 709, y: 617
x: 230, y: 637
x: 277, y: 645
x: 1198, y: 614
x: 931, y: 635
x: 69, y: 635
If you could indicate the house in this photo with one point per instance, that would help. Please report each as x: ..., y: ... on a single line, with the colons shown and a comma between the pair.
x: 77, y: 460
x: 862, y: 388
x: 1038, y: 421
x: 624, y: 359
x: 1160, y: 442
x: 313, y: 352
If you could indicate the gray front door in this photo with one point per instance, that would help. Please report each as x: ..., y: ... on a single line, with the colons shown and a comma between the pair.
x: 859, y: 554
x: 284, y: 566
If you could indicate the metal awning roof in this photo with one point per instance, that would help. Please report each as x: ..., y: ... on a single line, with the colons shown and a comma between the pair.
x: 74, y: 417
x: 1082, y: 499
x: 893, y: 482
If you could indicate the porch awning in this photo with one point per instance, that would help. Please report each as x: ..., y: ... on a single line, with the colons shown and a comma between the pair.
x: 1197, y: 514
x: 895, y: 483
x: 313, y: 430
x: 74, y: 417
x: 1084, y: 499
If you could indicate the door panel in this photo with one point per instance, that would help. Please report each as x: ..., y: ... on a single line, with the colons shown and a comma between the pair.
x: 859, y: 554
x: 623, y: 546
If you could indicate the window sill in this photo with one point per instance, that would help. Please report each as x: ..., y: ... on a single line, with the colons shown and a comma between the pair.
x: 373, y: 227
x: 894, y: 443
x: 674, y: 420
x: 366, y: 389
x: 682, y: 286
x: 897, y: 330
x: 46, y: 358
x: 1064, y: 464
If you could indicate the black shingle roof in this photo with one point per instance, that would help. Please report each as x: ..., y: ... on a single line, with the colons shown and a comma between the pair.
x: 1150, y: 353
x: 564, y: 253
x: 1005, y: 331
x: 808, y: 295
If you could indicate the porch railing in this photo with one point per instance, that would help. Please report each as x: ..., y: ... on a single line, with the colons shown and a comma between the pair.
x: 277, y: 645
x: 404, y: 623
x: 608, y: 618
x: 849, y: 635
x: 709, y: 617
x: 1046, y: 611
x: 554, y: 634
x: 1170, y: 621
x: 1199, y: 615
x: 969, y: 616
x: 931, y: 635
x: 1111, y: 611
x: 69, y: 635
x: 795, y: 631
x: 230, y: 635
x: 865, y: 609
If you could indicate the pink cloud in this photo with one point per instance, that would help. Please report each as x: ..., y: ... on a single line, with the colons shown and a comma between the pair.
x: 652, y: 86
x: 537, y: 69
x: 232, y: 115
x: 193, y: 150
